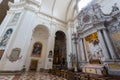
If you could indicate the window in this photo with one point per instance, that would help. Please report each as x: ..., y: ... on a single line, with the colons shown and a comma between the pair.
x: 83, y: 3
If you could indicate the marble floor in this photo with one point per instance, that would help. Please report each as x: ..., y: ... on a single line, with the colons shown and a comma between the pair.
x: 31, y: 76
x: 6, y: 77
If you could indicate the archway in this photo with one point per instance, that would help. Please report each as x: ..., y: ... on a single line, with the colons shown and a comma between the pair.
x: 38, y: 48
x: 60, y: 57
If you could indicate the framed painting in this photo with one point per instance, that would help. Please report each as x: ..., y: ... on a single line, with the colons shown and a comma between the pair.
x: 37, y: 48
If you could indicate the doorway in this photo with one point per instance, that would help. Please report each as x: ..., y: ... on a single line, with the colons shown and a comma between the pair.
x: 33, y: 65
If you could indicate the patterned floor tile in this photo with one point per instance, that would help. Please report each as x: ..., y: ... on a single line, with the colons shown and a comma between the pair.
x: 6, y: 77
x: 32, y: 76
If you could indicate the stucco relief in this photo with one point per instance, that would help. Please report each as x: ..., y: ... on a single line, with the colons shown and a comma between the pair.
x: 15, y: 18
x: 95, y: 49
x: 15, y: 55
x: 5, y: 38
x: 91, y: 19
x: 88, y: 17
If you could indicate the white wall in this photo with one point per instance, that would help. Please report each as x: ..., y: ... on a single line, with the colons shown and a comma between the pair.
x: 23, y: 31
x: 22, y: 38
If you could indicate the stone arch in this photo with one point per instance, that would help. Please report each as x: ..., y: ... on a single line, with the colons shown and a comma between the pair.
x: 39, y: 36
x: 60, y: 53
x: 61, y: 31
x: 41, y: 31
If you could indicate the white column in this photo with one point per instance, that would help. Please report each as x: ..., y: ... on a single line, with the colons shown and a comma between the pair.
x: 85, y: 50
x: 50, y: 47
x: 110, y: 47
x: 68, y: 41
x: 79, y: 51
x: 82, y: 51
x: 102, y: 45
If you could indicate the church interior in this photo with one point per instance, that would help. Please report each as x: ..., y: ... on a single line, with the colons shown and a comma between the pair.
x: 59, y: 39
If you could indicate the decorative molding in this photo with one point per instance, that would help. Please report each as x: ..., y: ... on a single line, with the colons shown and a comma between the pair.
x: 14, y: 56
x: 99, y: 21
x: 27, y: 7
x: 33, y: 6
x: 23, y: 3
x: 52, y: 17
x: 93, y: 16
x: 14, y: 19
x: 33, y: 2
x: 17, y: 5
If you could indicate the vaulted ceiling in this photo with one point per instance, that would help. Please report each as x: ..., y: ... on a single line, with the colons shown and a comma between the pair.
x: 61, y: 9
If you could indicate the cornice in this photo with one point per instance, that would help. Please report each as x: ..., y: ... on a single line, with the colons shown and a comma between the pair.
x: 24, y: 3
x: 33, y: 6
x: 34, y: 2
x: 17, y: 5
x: 52, y: 17
x: 27, y: 7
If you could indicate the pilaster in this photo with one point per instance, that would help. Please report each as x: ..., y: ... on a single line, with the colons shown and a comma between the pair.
x: 103, y: 45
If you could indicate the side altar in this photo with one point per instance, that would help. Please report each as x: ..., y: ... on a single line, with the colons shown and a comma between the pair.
x: 99, y: 40
x: 94, y: 67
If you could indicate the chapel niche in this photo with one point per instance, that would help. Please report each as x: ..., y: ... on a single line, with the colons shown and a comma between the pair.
x: 59, y: 58
x: 94, y: 51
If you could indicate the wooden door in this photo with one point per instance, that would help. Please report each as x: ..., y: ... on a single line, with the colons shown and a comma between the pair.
x: 33, y: 65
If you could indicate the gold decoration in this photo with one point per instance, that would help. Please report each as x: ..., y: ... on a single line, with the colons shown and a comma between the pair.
x: 91, y: 37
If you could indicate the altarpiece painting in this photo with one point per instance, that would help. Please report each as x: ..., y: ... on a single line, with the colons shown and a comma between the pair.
x: 37, y: 48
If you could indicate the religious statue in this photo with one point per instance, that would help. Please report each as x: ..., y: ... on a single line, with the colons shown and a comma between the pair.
x: 115, y: 8
x: 5, y: 38
x: 50, y: 54
x: 95, y: 50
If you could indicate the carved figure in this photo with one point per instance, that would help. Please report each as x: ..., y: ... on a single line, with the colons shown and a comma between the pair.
x: 115, y: 8
x: 96, y: 50
x: 14, y: 56
x: 50, y: 54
